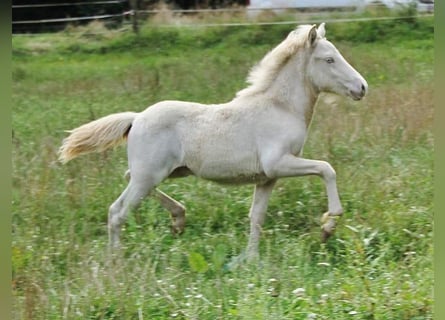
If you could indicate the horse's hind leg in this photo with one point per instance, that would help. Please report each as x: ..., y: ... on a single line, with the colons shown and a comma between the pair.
x: 177, y: 211
x: 130, y: 199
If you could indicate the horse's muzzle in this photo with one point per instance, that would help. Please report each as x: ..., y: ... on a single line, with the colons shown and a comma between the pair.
x: 360, y: 92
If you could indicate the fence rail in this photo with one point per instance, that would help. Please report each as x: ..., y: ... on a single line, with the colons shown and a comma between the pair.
x: 70, y: 19
x: 47, y: 5
x: 134, y: 14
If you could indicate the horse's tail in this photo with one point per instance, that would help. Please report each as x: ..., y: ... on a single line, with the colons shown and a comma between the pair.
x: 97, y: 136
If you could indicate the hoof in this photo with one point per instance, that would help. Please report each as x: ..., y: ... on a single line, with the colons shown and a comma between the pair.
x: 234, y: 263
x: 242, y: 260
x: 328, y: 227
x: 325, y: 236
x: 178, y: 226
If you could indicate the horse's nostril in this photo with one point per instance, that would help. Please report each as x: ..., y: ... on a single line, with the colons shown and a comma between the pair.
x: 363, y: 88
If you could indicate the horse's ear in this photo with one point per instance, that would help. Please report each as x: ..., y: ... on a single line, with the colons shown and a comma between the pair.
x: 312, y: 35
x: 321, y: 30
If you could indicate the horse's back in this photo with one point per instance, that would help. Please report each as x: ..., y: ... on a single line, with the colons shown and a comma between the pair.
x: 170, y: 111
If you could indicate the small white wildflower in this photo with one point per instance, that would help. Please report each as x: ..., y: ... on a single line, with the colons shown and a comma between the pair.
x: 312, y: 316
x: 198, y: 296
x: 353, y: 312
x: 172, y: 286
x: 299, y: 292
x: 250, y: 286
x: 324, y: 296
x: 324, y: 264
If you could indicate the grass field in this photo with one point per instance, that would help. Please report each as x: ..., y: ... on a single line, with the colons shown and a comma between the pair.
x: 378, y: 265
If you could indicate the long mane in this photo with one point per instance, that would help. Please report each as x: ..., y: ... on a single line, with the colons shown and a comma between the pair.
x: 265, y: 72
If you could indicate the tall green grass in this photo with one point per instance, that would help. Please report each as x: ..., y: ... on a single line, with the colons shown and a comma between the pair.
x: 377, y: 266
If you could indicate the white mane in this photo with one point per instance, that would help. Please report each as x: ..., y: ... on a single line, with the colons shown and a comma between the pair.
x: 265, y: 72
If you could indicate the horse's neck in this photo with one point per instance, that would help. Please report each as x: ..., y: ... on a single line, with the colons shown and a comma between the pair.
x: 290, y: 89
x: 293, y: 91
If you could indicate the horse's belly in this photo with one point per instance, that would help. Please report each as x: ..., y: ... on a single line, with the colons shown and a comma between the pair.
x: 230, y: 170
x: 256, y: 178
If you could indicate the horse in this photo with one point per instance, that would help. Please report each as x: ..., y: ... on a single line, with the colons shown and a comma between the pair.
x: 256, y: 138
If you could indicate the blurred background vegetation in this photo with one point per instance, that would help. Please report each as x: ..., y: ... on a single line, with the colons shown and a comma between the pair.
x: 377, y: 266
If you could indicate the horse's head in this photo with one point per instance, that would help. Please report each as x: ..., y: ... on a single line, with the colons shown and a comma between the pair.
x: 329, y: 71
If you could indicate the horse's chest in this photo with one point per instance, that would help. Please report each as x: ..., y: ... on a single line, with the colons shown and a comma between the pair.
x: 290, y: 138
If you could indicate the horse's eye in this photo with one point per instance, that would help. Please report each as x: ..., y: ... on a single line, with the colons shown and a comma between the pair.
x: 330, y: 60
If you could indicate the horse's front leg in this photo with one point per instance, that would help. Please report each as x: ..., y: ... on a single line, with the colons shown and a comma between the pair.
x: 257, y: 216
x: 291, y: 166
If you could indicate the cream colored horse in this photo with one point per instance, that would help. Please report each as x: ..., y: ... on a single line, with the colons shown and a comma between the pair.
x: 256, y: 138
